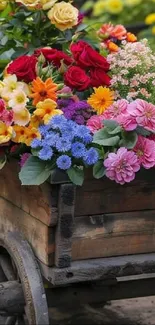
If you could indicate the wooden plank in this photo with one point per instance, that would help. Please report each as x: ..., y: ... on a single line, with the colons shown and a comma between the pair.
x: 38, y: 201
x: 105, y: 196
x: 100, y: 269
x: 64, y: 229
x: 113, y: 235
x: 40, y: 236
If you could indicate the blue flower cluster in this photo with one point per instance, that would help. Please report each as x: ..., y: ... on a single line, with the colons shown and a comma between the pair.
x: 66, y: 141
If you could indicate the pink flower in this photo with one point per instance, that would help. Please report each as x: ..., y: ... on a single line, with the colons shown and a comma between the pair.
x: 143, y: 112
x: 7, y: 117
x: 95, y: 123
x: 122, y: 166
x: 127, y: 122
x: 2, y: 106
x: 24, y: 158
x: 117, y: 108
x: 145, y: 151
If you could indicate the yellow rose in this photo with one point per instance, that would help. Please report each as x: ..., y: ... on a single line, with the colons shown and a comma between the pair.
x: 63, y: 15
x: 3, y: 4
x: 29, y: 3
x: 47, y: 4
x: 150, y: 19
x: 114, y: 6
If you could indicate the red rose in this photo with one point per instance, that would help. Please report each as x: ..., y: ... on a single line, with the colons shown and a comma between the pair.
x: 54, y: 56
x: 76, y: 78
x: 86, y: 57
x: 24, y: 68
x: 99, y: 77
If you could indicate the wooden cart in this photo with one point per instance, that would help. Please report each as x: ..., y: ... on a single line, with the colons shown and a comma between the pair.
x: 61, y: 244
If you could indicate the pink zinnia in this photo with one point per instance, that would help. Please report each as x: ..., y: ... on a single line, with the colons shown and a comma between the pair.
x: 143, y: 112
x: 117, y: 108
x: 122, y: 166
x: 145, y: 151
x: 95, y: 123
x: 127, y: 122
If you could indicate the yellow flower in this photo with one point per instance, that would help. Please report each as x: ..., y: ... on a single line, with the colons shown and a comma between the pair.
x: 47, y: 4
x: 6, y: 133
x: 11, y: 84
x: 101, y: 99
x: 21, y: 117
x: 32, y: 133
x: 63, y: 15
x: 150, y: 19
x: 153, y: 30
x: 46, y: 109
x: 114, y: 6
x: 29, y: 3
x: 18, y: 100
x: 35, y: 121
x: 99, y: 7
x: 25, y: 134
x: 3, y: 4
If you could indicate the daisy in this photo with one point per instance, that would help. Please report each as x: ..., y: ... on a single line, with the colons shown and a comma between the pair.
x: 101, y: 99
x: 42, y: 90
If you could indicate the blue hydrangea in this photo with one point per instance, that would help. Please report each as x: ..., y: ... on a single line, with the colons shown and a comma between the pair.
x: 43, y: 129
x: 83, y: 133
x: 57, y: 122
x: 46, y: 153
x: 63, y: 145
x: 78, y: 150
x: 51, y: 138
x: 36, y: 143
x: 91, y: 156
x: 64, y: 162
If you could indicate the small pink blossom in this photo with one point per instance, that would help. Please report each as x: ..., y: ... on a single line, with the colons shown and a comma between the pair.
x: 117, y: 108
x: 7, y: 117
x: 143, y: 112
x: 122, y: 166
x: 95, y: 123
x: 145, y: 151
x: 2, y: 106
x: 24, y: 158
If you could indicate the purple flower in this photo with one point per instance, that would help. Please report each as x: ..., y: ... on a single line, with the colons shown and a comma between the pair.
x: 122, y: 166
x: 78, y: 111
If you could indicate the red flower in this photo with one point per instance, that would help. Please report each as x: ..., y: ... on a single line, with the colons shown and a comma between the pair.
x: 54, y: 56
x: 86, y: 57
x: 99, y: 77
x: 24, y: 68
x: 76, y: 78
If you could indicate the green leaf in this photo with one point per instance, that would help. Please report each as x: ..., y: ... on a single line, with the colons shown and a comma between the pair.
x: 3, y: 161
x: 81, y: 27
x: 129, y: 139
x: 34, y: 172
x: 101, y: 134
x: 110, y: 124
x: 98, y: 169
x: 142, y: 131
x: 117, y: 130
x: 76, y: 175
x: 110, y: 142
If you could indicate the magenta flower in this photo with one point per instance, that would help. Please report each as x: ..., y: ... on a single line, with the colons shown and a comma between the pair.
x: 95, y: 123
x: 145, y: 151
x: 122, y: 166
x: 143, y: 112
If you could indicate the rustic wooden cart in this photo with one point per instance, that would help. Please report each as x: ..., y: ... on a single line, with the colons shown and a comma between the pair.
x: 61, y: 244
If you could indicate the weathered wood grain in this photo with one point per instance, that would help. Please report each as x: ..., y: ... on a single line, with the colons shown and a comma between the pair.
x: 100, y: 269
x: 64, y: 229
x: 38, y: 201
x: 39, y: 235
x: 105, y: 196
x: 113, y: 235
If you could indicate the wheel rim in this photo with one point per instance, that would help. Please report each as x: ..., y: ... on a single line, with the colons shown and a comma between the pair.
x: 26, y: 270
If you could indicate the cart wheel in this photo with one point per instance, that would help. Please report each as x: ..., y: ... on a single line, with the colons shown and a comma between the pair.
x: 18, y: 264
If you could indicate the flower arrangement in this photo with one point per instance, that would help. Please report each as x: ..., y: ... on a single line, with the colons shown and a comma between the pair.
x: 80, y: 107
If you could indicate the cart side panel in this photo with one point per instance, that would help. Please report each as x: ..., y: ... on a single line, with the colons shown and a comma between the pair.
x: 38, y: 201
x: 39, y: 235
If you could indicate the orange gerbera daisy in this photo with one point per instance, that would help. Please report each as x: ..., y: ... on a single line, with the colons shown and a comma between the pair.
x: 101, y: 99
x: 42, y: 90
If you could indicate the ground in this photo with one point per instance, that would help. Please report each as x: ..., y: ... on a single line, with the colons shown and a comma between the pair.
x: 123, y: 312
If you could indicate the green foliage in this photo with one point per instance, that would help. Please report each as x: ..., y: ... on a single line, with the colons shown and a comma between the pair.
x: 76, y: 175
x: 34, y: 172
x: 98, y: 170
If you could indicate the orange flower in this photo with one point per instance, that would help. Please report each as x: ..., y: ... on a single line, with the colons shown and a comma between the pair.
x: 131, y: 38
x: 101, y: 99
x: 109, y: 30
x: 35, y: 121
x: 32, y: 133
x: 25, y: 134
x: 42, y: 90
x: 112, y: 47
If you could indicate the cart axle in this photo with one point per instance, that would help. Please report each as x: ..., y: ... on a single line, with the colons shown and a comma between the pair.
x: 11, y: 298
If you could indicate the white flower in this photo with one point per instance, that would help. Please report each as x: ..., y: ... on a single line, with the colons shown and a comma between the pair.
x: 18, y: 100
x: 10, y: 84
